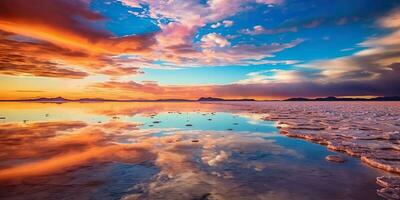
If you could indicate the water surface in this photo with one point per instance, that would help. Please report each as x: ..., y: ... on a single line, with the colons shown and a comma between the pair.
x: 164, y: 151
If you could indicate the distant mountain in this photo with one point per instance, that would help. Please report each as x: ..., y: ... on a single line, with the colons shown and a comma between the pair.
x: 172, y: 100
x: 298, y: 99
x: 56, y: 99
x: 61, y: 99
x: 92, y: 99
x: 392, y: 98
x: 332, y: 98
x: 220, y: 99
x: 209, y: 99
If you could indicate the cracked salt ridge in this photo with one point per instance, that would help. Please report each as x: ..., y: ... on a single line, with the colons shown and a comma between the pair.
x: 391, y: 187
x: 368, y: 130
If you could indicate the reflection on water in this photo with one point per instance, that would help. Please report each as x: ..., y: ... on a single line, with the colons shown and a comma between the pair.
x: 163, y: 151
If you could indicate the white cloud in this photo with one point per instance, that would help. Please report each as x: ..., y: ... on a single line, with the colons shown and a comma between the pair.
x: 216, y: 25
x: 212, y: 40
x: 378, y: 56
x: 273, y: 76
x: 227, y: 23
x: 257, y: 30
x: 175, y: 44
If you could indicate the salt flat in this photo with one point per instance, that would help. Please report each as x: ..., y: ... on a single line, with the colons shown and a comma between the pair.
x: 368, y: 130
x: 191, y: 150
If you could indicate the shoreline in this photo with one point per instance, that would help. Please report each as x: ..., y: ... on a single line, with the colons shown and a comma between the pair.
x: 369, y: 133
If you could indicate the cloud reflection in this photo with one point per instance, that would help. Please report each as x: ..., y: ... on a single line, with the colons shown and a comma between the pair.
x: 190, y: 163
x: 53, y: 147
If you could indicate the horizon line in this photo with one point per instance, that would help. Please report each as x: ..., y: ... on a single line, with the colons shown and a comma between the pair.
x: 328, y: 98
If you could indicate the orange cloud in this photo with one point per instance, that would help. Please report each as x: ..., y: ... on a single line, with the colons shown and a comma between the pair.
x: 48, y: 60
x: 57, y: 22
x: 71, y: 39
x: 59, y: 39
x: 151, y: 90
x: 22, y: 58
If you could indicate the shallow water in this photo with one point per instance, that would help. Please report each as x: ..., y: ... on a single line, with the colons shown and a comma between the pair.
x: 164, y: 151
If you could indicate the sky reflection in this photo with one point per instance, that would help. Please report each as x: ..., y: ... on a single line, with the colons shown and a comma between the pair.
x: 139, y: 152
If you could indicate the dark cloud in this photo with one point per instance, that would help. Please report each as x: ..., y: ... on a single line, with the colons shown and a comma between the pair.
x: 338, y: 13
x: 386, y: 84
x: 66, y: 15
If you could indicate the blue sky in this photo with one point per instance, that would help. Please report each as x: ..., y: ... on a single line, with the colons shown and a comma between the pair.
x: 339, y: 26
x: 266, y: 49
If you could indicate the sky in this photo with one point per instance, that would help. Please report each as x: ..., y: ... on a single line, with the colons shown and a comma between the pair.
x: 186, y: 49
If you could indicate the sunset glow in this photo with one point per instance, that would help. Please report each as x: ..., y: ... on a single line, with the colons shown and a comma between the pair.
x: 199, y: 99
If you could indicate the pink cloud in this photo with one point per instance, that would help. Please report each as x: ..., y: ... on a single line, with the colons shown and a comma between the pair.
x: 257, y: 30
